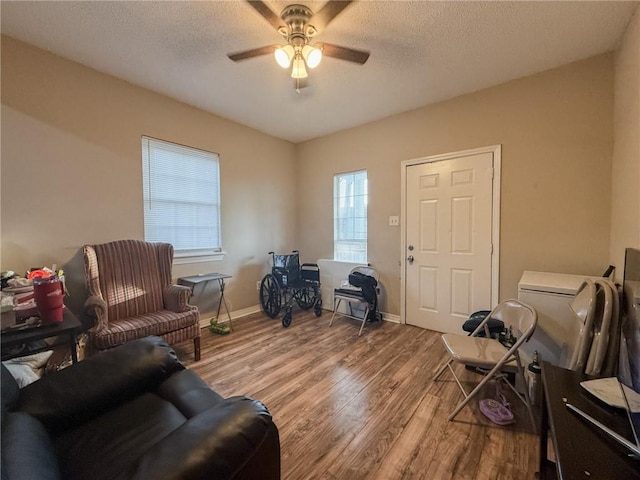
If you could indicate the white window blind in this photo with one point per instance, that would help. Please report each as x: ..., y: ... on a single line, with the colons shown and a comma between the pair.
x: 350, y: 217
x: 181, y: 197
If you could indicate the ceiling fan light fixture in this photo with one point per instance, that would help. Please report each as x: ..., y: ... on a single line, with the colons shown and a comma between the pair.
x: 298, y: 70
x: 312, y: 56
x: 284, y: 55
x: 294, y: 24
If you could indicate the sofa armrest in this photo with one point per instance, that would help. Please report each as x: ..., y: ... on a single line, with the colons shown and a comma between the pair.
x: 71, y: 397
x: 95, y: 307
x: 176, y: 298
x: 27, y: 450
x: 218, y: 443
x: 188, y: 393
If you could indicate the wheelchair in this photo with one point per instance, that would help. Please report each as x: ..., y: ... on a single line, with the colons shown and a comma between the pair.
x: 289, y: 283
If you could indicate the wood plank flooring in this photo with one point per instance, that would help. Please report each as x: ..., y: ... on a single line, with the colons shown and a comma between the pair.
x: 350, y: 407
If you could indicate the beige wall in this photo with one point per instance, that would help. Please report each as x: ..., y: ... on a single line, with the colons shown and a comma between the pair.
x: 555, y: 129
x: 71, y: 171
x: 625, y: 196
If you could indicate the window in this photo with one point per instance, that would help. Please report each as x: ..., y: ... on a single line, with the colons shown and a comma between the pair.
x: 181, y: 198
x: 350, y: 217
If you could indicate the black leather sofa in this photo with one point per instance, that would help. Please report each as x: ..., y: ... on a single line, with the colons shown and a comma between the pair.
x: 133, y: 412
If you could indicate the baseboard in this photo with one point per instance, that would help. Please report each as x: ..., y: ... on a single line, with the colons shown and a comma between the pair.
x: 387, y: 317
x: 205, y: 318
x: 390, y: 317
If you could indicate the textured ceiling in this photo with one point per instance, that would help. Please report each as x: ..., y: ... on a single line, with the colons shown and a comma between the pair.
x: 421, y: 52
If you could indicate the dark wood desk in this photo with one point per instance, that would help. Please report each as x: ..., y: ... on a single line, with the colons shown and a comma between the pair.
x: 69, y: 327
x: 581, y: 450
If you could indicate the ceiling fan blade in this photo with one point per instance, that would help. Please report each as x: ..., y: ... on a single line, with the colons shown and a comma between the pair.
x: 327, y: 13
x: 254, y: 52
x: 344, y: 53
x: 274, y: 20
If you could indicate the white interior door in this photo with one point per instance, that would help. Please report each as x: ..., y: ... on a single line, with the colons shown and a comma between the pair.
x: 448, y: 240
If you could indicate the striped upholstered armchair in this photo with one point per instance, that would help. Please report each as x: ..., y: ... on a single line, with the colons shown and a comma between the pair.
x: 131, y: 296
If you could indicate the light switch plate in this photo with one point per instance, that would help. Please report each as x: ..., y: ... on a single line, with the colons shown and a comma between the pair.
x: 394, y: 221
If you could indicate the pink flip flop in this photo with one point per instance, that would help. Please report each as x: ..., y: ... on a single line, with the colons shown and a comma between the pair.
x: 498, y: 411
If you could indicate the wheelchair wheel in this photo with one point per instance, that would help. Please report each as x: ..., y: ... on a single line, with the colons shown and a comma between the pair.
x: 286, y: 319
x: 270, y: 297
x: 318, y: 308
x: 306, y: 298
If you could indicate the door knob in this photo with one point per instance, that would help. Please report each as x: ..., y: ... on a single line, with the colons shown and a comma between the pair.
x: 410, y: 259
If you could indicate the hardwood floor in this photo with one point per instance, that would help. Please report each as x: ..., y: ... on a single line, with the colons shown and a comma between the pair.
x: 350, y: 407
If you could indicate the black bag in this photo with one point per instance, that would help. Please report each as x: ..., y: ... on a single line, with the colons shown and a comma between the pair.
x: 368, y: 285
x: 360, y: 280
x: 495, y: 326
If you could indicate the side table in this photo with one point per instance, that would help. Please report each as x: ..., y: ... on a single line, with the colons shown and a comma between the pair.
x: 194, y: 280
x: 68, y: 329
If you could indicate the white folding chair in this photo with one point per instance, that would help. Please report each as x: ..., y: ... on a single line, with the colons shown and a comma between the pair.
x: 583, y: 307
x: 601, y: 324
x: 488, y: 354
x: 353, y: 296
x: 611, y: 358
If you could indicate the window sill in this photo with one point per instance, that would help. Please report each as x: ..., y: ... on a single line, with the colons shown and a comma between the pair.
x: 181, y: 259
x: 352, y: 263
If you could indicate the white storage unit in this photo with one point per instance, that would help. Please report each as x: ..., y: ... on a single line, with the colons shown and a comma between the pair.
x: 557, y: 329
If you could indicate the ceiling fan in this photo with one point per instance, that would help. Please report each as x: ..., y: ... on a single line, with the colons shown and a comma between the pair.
x: 298, y: 25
